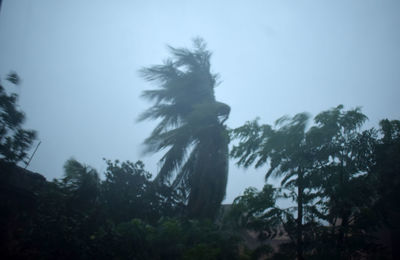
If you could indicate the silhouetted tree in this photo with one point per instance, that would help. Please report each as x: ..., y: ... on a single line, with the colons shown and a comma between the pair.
x: 123, y: 190
x: 345, y: 185
x: 82, y: 182
x: 387, y: 174
x: 191, y: 128
x: 14, y: 140
x: 127, y: 193
x: 325, y: 169
x: 289, y: 151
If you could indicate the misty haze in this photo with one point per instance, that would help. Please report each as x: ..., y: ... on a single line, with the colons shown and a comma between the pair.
x: 199, y: 129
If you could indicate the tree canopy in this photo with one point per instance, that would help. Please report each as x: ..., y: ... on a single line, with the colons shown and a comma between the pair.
x: 328, y: 170
x: 191, y: 128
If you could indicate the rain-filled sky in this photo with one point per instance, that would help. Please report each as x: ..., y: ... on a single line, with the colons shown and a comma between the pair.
x: 79, y: 62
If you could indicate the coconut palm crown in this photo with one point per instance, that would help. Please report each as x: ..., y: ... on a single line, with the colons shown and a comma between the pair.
x: 191, y: 128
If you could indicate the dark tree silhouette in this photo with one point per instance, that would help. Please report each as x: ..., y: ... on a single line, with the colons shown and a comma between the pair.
x: 344, y: 181
x: 288, y: 150
x: 326, y: 170
x: 387, y: 173
x: 14, y: 140
x: 191, y: 129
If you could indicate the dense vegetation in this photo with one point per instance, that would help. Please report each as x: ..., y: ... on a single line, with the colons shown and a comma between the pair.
x: 124, y: 216
x: 334, y: 172
x: 342, y: 179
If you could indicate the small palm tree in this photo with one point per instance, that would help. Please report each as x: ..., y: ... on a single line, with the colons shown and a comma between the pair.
x: 191, y: 128
x: 82, y: 181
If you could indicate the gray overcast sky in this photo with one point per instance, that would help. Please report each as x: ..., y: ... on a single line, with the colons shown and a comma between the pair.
x: 79, y: 60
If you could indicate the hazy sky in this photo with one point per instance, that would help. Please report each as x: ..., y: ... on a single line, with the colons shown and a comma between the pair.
x: 79, y: 62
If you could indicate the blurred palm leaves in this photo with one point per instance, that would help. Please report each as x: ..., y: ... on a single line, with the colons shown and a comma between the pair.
x: 190, y: 127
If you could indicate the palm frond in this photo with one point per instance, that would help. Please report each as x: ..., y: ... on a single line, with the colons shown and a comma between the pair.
x: 191, y: 120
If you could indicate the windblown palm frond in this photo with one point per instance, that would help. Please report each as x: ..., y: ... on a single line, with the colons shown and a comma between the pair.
x: 191, y: 127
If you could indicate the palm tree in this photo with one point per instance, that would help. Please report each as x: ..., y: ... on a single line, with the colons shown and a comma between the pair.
x: 191, y: 128
x: 82, y: 182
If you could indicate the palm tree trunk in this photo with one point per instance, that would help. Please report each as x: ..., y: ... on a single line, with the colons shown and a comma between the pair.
x: 209, y: 179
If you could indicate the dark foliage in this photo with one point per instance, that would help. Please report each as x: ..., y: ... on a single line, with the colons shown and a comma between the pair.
x: 14, y: 140
x: 124, y: 216
x: 387, y: 181
x: 344, y: 181
x: 191, y: 128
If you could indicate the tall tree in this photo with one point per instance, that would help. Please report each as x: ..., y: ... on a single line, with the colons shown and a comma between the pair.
x: 288, y: 149
x: 325, y: 169
x: 191, y: 128
x: 345, y: 184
